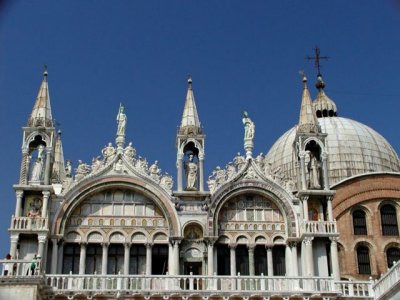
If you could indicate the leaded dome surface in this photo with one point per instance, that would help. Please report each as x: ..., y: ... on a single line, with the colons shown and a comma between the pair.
x: 353, y: 148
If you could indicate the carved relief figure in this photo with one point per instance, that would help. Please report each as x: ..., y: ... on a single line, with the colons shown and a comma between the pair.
x: 96, y: 164
x: 249, y: 127
x: 121, y: 120
x: 34, y: 208
x: 38, y: 165
x: 239, y: 162
x: 191, y: 173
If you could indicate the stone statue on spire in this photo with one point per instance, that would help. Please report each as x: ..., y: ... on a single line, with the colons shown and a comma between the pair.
x: 121, y: 121
x: 249, y: 131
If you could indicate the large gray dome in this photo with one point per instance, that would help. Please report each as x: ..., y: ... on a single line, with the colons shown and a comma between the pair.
x: 353, y: 148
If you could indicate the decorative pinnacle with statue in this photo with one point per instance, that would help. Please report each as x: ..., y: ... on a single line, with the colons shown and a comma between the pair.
x: 249, y: 131
x: 121, y: 121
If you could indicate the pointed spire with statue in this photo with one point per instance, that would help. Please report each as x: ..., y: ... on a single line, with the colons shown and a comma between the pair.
x: 121, y: 121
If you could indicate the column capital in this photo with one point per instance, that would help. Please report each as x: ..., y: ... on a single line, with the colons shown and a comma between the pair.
x: 292, y: 244
x: 305, y: 198
x: 46, y: 194
x: 148, y: 245
x: 14, y: 238
x: 210, y: 241
x: 83, y: 244
x: 19, y: 193
x: 308, y: 240
x: 269, y: 246
x: 127, y: 245
x: 232, y: 245
x: 105, y: 244
x: 302, y: 154
x: 42, y: 238
x: 334, y: 239
x: 251, y: 246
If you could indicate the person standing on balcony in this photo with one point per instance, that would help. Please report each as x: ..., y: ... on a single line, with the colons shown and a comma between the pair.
x: 6, y: 269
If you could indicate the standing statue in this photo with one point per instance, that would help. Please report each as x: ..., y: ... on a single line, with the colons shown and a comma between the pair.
x: 155, y: 171
x: 108, y: 152
x: 129, y: 152
x: 191, y: 173
x: 38, y: 165
x: 249, y: 127
x: 68, y: 168
x: 239, y: 161
x: 314, y: 172
x: 121, y: 120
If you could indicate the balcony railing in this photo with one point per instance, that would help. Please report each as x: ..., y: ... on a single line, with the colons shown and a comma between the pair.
x: 388, y: 282
x: 355, y: 289
x: 29, y: 223
x: 191, y: 283
x: 319, y: 228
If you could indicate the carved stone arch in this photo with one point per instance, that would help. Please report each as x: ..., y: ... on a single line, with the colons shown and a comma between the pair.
x: 364, y: 208
x: 31, y: 137
x: 318, y: 141
x: 191, y: 223
x: 269, y: 190
x: 92, y: 235
x: 282, y: 239
x: 392, y: 243
x: 138, y: 233
x: 196, y: 144
x: 113, y: 232
x: 260, y: 239
x: 225, y: 239
x: 96, y: 185
x: 153, y: 237
x: 75, y: 236
x: 241, y: 237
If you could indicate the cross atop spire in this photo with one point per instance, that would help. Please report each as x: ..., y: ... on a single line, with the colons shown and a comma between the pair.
x: 317, y: 59
x: 41, y: 114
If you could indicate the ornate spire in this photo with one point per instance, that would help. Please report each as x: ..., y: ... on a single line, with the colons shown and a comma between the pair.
x: 190, y: 120
x: 41, y: 114
x: 58, y: 174
x: 308, y: 121
x: 323, y: 105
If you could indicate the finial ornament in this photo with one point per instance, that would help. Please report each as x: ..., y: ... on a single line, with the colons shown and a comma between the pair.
x: 190, y: 81
x: 249, y: 131
x: 121, y: 121
x: 45, y: 73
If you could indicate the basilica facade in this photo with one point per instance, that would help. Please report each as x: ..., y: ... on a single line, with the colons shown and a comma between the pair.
x: 314, y: 218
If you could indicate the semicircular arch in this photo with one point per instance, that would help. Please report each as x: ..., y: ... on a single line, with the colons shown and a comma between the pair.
x: 80, y: 193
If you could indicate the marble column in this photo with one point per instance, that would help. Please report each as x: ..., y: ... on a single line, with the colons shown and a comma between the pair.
x: 148, y: 258
x: 303, y: 170
x: 307, y: 256
x: 42, y: 241
x: 127, y: 254
x: 176, y: 257
x: 104, y: 260
x: 54, y: 256
x: 170, y: 258
x: 270, y: 263
x: 60, y: 260
x: 251, y: 259
x: 305, y: 207
x: 335, y: 258
x: 18, y: 206
x: 13, y: 245
x: 201, y: 172
x: 46, y: 195
x: 210, y: 258
x: 47, y: 170
x: 295, y: 267
x: 288, y: 261
x: 179, y: 165
x: 325, y: 175
x: 232, y: 248
x: 82, y: 259
x: 329, y: 209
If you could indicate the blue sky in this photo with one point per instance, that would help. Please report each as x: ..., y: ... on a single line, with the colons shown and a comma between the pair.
x: 243, y: 55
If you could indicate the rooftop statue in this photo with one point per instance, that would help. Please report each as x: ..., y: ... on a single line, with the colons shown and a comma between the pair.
x: 121, y: 120
x: 249, y: 127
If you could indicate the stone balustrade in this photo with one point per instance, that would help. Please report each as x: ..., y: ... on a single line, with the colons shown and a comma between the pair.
x: 385, y: 287
x: 319, y: 228
x: 355, y: 289
x: 29, y: 223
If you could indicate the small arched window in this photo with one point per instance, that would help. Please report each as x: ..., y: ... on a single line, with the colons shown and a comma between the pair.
x: 392, y: 255
x: 389, y: 220
x: 359, y: 222
x: 364, y: 266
